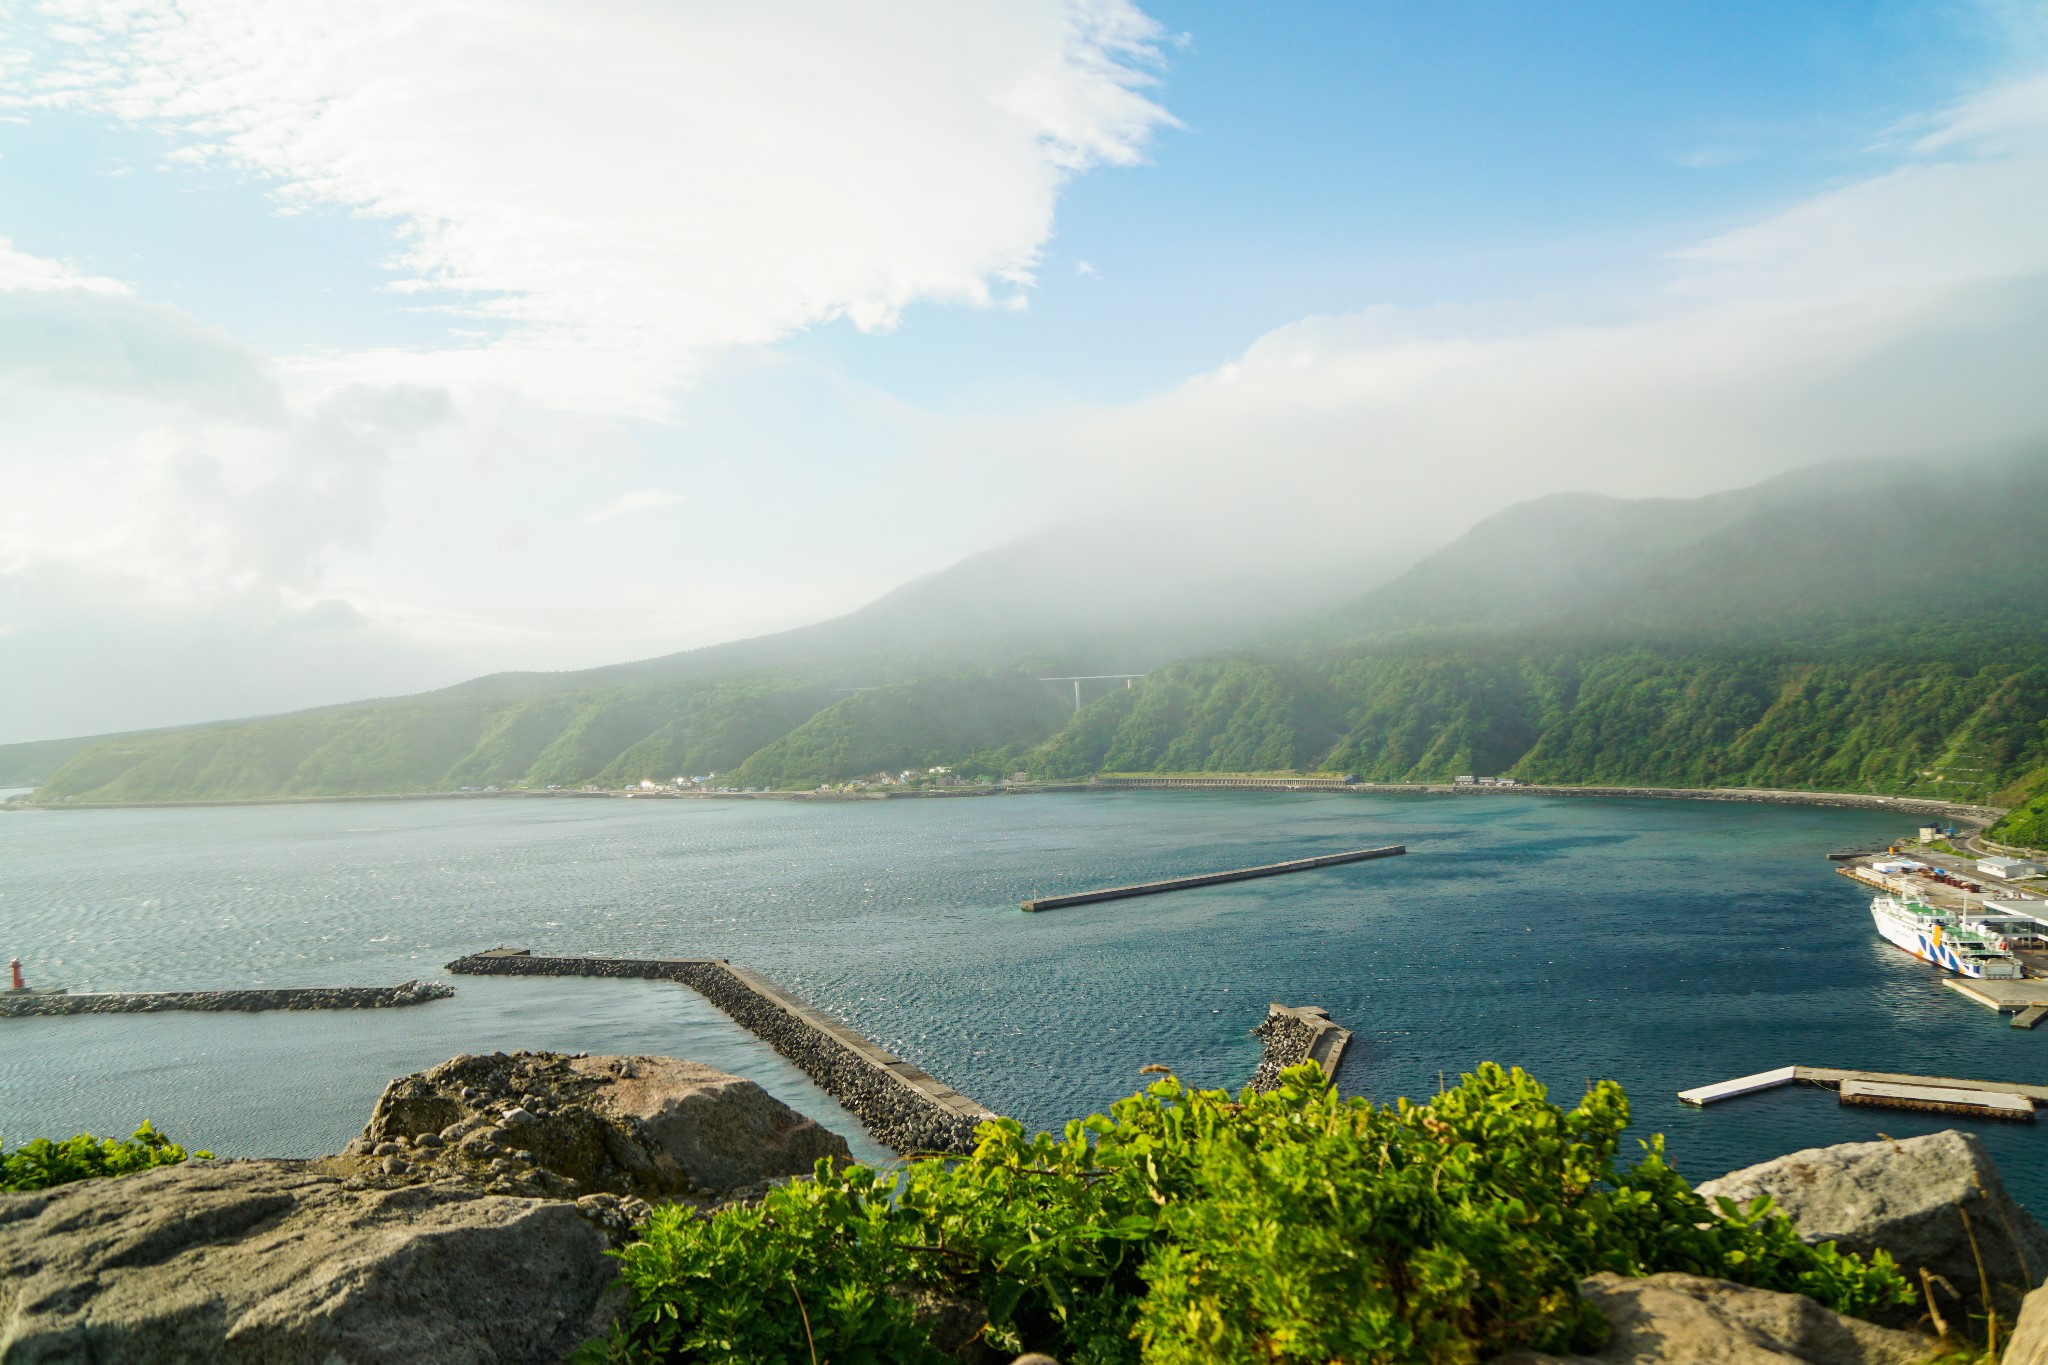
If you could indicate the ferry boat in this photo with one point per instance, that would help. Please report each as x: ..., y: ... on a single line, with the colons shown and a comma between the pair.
x: 1945, y: 938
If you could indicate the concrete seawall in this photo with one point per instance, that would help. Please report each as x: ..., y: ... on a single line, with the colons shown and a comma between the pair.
x: 13, y: 1006
x: 1905, y: 805
x: 1241, y: 874
x: 902, y: 1107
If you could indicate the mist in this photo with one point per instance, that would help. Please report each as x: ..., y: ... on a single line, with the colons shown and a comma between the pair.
x: 554, y: 439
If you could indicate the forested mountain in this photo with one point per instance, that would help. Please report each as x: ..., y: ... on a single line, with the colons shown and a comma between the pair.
x: 1873, y: 626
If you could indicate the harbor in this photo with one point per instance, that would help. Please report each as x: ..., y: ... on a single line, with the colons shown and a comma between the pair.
x: 1981, y: 917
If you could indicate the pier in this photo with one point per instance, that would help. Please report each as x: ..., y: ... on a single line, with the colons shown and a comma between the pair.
x: 2010, y: 1100
x: 1116, y: 893
x: 2026, y: 1000
x: 902, y: 1107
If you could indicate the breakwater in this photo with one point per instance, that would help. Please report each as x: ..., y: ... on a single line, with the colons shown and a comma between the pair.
x: 1769, y: 796
x: 21, y: 1005
x: 1242, y: 874
x: 1296, y: 1034
x: 904, y: 1108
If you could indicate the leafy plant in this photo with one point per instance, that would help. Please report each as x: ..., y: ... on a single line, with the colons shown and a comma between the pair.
x: 40, y: 1163
x: 1188, y: 1226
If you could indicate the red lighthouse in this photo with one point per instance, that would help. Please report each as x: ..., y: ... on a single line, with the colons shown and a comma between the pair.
x: 14, y: 969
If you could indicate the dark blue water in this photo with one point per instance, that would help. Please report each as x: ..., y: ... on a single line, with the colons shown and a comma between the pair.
x: 1664, y: 944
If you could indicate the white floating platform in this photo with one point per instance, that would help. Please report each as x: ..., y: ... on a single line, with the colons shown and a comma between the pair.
x: 1833, y: 1078
x: 1940, y: 1099
x: 1741, y: 1085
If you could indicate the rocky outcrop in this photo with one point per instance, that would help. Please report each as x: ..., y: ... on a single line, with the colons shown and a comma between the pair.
x: 548, y: 1124
x: 1674, y: 1319
x: 1922, y: 1199
x: 14, y: 1004
x: 282, y: 1263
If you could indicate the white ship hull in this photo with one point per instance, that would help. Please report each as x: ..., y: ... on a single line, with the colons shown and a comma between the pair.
x: 1931, y: 941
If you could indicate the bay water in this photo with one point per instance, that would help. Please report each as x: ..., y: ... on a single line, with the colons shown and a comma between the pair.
x: 1664, y: 944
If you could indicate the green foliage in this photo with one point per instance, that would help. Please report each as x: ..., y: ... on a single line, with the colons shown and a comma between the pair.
x: 1185, y: 1226
x: 911, y: 725
x: 616, y: 735
x: 40, y: 1163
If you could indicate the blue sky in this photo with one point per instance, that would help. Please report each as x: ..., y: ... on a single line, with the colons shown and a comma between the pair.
x: 340, y: 349
x: 1340, y: 156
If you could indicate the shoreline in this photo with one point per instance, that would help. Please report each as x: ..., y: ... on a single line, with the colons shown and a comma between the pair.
x: 1962, y: 812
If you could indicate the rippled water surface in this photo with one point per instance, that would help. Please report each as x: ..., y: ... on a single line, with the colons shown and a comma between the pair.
x: 1662, y: 943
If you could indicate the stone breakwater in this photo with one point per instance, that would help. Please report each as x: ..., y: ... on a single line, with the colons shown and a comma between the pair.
x: 1295, y: 1035
x: 285, y: 998
x: 902, y: 1107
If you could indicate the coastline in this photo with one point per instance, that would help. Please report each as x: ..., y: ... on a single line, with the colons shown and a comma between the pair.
x: 1961, y: 812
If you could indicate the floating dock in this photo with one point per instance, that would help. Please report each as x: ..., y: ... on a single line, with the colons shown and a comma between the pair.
x: 2011, y: 1100
x: 1939, y: 1099
x: 1242, y: 874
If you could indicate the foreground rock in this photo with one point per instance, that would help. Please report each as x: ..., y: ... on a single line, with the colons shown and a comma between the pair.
x: 557, y: 1126
x: 1671, y: 1318
x: 280, y: 1262
x: 2029, y: 1344
x: 1909, y: 1197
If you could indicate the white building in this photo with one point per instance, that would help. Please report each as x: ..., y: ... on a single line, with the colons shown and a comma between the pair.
x: 2007, y: 868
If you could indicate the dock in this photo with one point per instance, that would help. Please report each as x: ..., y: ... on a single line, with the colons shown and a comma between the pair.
x: 1117, y: 893
x: 1939, y: 1099
x: 2026, y: 999
x: 2011, y: 1100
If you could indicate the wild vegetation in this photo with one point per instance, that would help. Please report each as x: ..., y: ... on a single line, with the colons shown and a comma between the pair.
x: 40, y: 1162
x: 1186, y: 1226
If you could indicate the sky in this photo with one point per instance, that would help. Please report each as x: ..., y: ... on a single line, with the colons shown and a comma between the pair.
x: 354, y: 349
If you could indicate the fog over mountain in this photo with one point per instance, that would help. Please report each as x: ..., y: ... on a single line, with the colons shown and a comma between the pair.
x: 360, y: 358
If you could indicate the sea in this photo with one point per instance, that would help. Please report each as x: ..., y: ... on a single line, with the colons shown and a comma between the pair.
x: 1661, y: 943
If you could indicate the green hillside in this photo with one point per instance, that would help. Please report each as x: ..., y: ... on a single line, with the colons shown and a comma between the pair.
x: 1641, y: 715
x: 1872, y: 627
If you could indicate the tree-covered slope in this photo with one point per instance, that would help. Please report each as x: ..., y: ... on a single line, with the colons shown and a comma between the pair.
x: 911, y: 725
x: 1590, y: 713
x: 444, y: 743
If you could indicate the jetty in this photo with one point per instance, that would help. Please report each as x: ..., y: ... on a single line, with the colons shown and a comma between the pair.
x: 2011, y: 1100
x: 25, y: 1003
x: 1293, y: 1034
x: 1117, y: 893
x: 902, y: 1107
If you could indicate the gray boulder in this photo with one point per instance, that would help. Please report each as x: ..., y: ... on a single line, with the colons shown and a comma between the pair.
x: 1674, y: 1319
x: 1909, y: 1197
x: 544, y: 1123
x: 2029, y: 1344
x: 283, y: 1263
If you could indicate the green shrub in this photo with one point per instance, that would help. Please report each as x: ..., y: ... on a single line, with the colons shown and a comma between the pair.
x: 1187, y: 1226
x: 40, y: 1163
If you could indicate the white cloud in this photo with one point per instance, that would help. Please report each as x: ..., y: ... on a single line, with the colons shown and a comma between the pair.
x: 623, y: 187
x: 1903, y: 312
x: 21, y: 271
x: 644, y: 500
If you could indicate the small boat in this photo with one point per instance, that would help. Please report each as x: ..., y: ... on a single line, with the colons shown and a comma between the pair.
x: 1945, y: 938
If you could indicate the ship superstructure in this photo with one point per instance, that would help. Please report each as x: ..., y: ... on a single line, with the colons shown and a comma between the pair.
x: 1967, y: 945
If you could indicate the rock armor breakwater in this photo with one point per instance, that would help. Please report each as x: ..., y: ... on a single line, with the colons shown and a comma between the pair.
x: 1295, y: 1035
x: 902, y: 1107
x: 13, y: 1005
